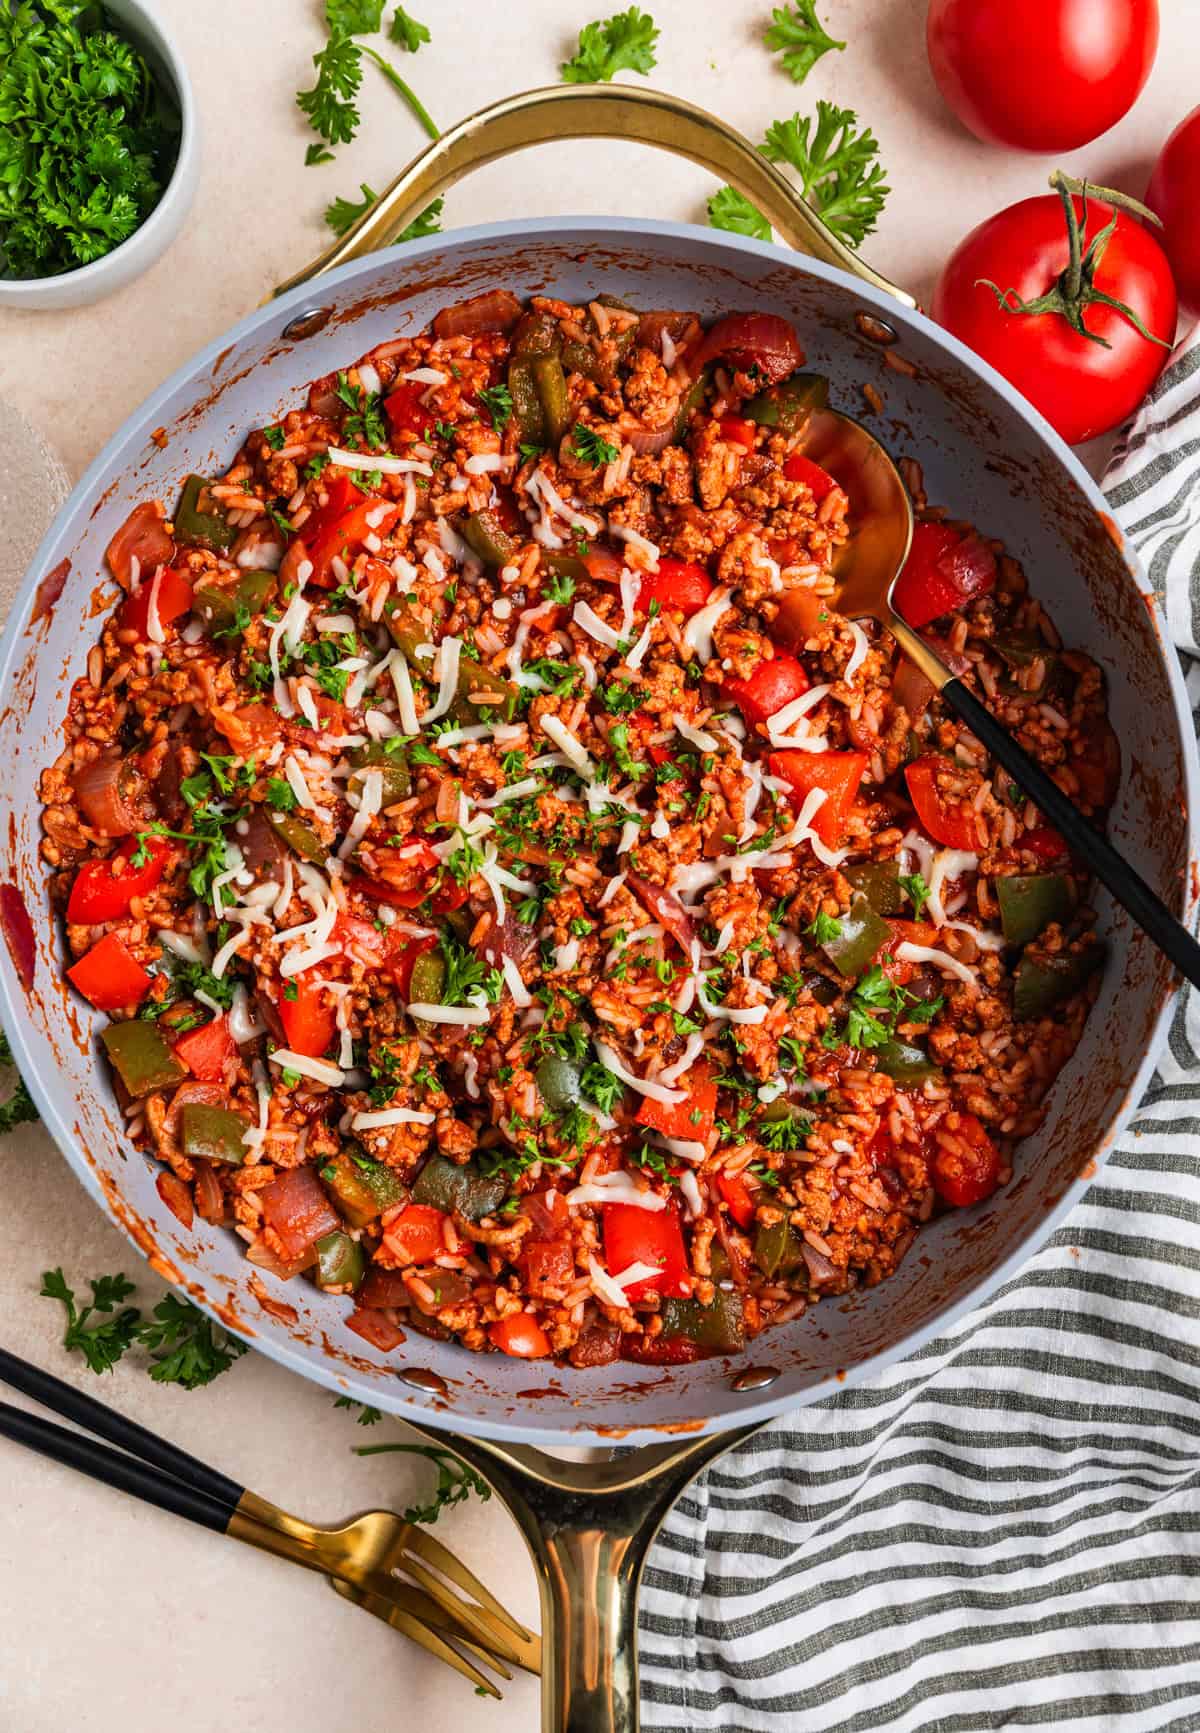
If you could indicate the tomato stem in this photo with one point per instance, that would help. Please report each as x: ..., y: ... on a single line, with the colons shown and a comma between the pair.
x: 1075, y: 289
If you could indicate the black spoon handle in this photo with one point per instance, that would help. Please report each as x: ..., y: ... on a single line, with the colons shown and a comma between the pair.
x: 105, y: 1422
x: 1111, y: 868
x: 112, y: 1467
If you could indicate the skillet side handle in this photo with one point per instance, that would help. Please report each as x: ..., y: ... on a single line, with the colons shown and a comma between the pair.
x: 589, y: 1526
x: 594, y: 111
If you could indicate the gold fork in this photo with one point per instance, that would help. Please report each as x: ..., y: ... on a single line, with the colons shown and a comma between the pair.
x: 361, y: 1559
x: 437, y: 1602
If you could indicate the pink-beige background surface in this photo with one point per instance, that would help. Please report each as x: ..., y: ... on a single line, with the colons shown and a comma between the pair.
x: 114, y: 1618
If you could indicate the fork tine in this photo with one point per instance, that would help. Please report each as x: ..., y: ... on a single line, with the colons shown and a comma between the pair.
x: 411, y: 1627
x: 424, y: 1545
x: 448, y: 1617
x: 487, y: 1628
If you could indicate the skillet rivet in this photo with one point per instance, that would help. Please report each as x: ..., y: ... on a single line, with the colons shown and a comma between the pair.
x: 421, y: 1379
x: 876, y: 330
x: 308, y: 323
x: 754, y: 1378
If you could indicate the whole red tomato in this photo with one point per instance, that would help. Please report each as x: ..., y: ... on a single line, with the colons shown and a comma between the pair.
x: 1084, y: 364
x: 1174, y: 195
x: 1041, y: 74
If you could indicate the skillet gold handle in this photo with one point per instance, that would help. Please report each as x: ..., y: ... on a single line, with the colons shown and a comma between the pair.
x: 595, y: 111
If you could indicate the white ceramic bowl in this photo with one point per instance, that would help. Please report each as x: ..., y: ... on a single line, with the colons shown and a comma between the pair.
x: 92, y: 282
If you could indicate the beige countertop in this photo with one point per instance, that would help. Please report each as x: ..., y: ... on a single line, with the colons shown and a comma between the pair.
x: 114, y: 1618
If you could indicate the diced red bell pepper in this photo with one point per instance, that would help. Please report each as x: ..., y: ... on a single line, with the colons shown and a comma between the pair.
x: 177, y: 1197
x: 664, y: 907
x: 898, y: 969
x: 944, y: 571
x: 296, y: 1207
x: 678, y: 586
x: 376, y: 1328
x: 948, y: 822
x: 818, y: 481
x: 838, y: 773
x: 1045, y: 842
x: 102, y: 894
x: 642, y: 1236
x: 736, y: 431
x: 415, y: 1235
x: 110, y: 976
x: 405, y: 411
x: 204, y: 1051
x: 338, y: 529
x: 772, y: 685
x: 692, y: 1119
x: 799, y: 616
x: 966, y: 1177
x: 519, y: 1335
x: 547, y: 1263
x: 739, y: 1196
x: 308, y: 1018
x: 172, y: 598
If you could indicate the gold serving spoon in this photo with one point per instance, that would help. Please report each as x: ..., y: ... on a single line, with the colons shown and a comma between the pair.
x: 866, y: 568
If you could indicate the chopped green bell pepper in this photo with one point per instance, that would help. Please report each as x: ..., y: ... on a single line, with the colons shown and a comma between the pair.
x: 905, y: 1063
x: 563, y: 565
x: 719, y: 1326
x: 407, y: 632
x: 141, y: 1057
x: 692, y: 399
x: 558, y: 1082
x: 474, y: 677
x: 527, y: 405
x: 223, y: 610
x: 393, y: 766
x: 427, y: 979
x: 777, y: 1250
x: 1020, y: 649
x: 213, y: 1133
x: 1030, y: 901
x: 362, y: 1189
x: 487, y: 537
x: 879, y: 882
x: 789, y: 404
x: 535, y: 334
x: 197, y: 528
x: 863, y: 933
x: 340, y: 1262
x: 300, y: 837
x: 465, y: 1189
x: 1042, y: 983
x: 550, y: 383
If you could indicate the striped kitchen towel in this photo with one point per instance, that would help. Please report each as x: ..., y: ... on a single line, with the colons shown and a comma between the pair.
x: 1004, y: 1531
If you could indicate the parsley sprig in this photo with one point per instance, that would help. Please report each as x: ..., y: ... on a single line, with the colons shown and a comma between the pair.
x: 838, y: 170
x: 799, y: 37
x: 330, y: 104
x: 189, y: 1349
x: 18, y: 1108
x: 455, y: 1481
x: 623, y: 43
x: 592, y: 447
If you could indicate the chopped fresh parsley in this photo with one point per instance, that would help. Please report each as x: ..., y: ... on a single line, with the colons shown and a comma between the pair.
x: 275, y: 438
x: 530, y: 453
x: 592, y: 447
x: 601, y: 1085
x: 916, y: 890
x: 618, y: 739
x: 281, y: 795
x: 789, y: 1131
x: 799, y: 37
x: 497, y: 400
x: 825, y: 928
x: 88, y: 138
x: 623, y: 43
x: 560, y: 589
x: 466, y: 974
x: 365, y: 424
x: 620, y: 699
